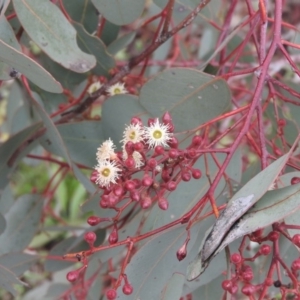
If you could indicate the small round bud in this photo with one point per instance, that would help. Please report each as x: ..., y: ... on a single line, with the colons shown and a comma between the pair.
x: 93, y: 220
x: 135, y: 195
x: 295, y: 180
x: 137, y: 182
x: 295, y: 265
x: 129, y: 185
x: 247, y: 275
x: 196, y: 140
x: 165, y: 174
x: 113, y: 237
x: 166, y: 118
x: 173, y: 153
x: 236, y: 258
x: 136, y: 121
x: 129, y: 147
x: 72, y: 276
x: 152, y: 163
x: 127, y: 289
x: 138, y: 146
x: 265, y: 249
x: 146, y: 202
x: 163, y: 203
x: 181, y: 252
x: 129, y: 162
x: 248, y: 289
x: 111, y: 294
x: 273, y: 236
x: 94, y: 176
x: 118, y: 190
x: 191, y: 153
x: 196, y: 173
x: 147, y: 180
x: 173, y: 142
x: 186, y: 176
x: 159, y: 150
x: 171, y: 186
x: 90, y: 237
x: 296, y: 240
x: 281, y: 122
x: 226, y: 285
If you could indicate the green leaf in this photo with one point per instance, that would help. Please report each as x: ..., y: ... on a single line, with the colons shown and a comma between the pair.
x: 8, y: 279
x: 173, y: 289
x: 52, y: 135
x: 22, y: 223
x: 110, y: 32
x: 182, y: 8
x: 93, y: 45
x: 120, y: 12
x: 274, y: 206
x: 84, y: 12
x: 124, y: 107
x: 212, y: 290
x: 155, y: 262
x: 27, y: 66
x: 7, y: 35
x: 192, y: 97
x: 121, y: 42
x: 241, y: 202
x: 81, y: 139
x: 47, y: 26
x: 7, y: 150
x: 18, y: 262
x: 6, y: 199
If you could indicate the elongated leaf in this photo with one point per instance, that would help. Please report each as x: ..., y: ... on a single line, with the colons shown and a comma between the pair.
x: 7, y: 35
x: 274, y: 206
x: 241, y: 202
x: 8, y: 279
x: 18, y: 262
x: 8, y: 149
x: 22, y: 223
x: 173, y: 289
x: 121, y: 43
x: 82, y: 11
x: 120, y: 12
x: 81, y: 139
x: 192, y: 97
x: 52, y: 134
x: 95, y: 46
x: 27, y: 66
x: 50, y: 30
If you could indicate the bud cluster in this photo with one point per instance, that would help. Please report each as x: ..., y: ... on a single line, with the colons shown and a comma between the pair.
x: 149, y: 166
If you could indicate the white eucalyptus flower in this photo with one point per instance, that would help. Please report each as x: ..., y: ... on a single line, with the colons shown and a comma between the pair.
x: 106, y: 151
x: 117, y: 89
x: 133, y: 133
x: 107, y: 173
x: 94, y: 87
x: 157, y: 134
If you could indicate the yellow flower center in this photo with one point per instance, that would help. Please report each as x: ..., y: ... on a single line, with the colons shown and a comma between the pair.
x: 157, y: 134
x: 117, y: 91
x: 132, y: 135
x: 105, y: 172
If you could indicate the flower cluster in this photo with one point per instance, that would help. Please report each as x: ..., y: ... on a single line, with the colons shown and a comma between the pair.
x: 148, y: 167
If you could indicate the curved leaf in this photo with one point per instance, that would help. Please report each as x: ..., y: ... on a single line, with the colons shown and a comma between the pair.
x: 192, y: 97
x: 173, y: 288
x: 241, y: 202
x: 274, y: 206
x: 120, y: 12
x: 2, y: 223
x: 8, y: 149
x: 22, y: 223
x: 93, y: 45
x: 50, y: 30
x: 27, y: 66
x: 8, y: 279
